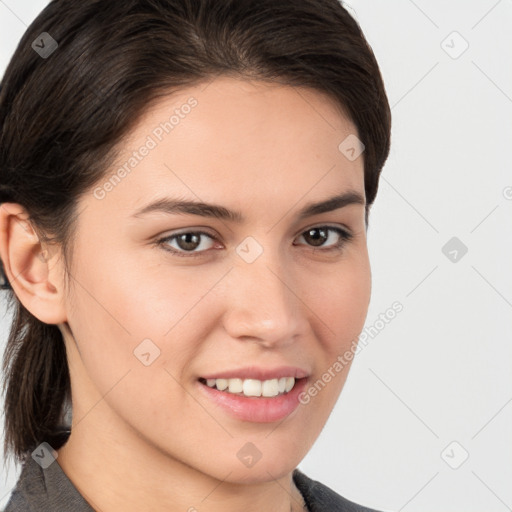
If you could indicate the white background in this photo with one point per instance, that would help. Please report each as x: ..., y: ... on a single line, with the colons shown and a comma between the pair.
x: 441, y: 370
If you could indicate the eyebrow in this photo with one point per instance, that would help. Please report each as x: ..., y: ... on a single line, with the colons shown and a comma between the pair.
x: 177, y: 206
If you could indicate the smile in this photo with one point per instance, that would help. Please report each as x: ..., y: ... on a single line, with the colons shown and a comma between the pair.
x: 252, y: 387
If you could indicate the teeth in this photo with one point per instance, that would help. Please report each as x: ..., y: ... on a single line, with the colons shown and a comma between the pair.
x: 253, y: 387
x: 270, y: 388
x: 221, y: 384
x: 235, y: 385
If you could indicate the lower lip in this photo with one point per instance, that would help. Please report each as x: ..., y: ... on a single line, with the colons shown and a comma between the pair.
x: 256, y: 409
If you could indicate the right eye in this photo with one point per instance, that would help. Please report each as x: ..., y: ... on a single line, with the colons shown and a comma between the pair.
x: 187, y: 243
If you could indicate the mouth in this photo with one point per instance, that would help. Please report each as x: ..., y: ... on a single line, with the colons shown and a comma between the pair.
x: 252, y: 387
x: 254, y: 400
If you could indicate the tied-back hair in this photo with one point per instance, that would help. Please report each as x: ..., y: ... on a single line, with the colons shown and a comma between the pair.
x: 63, y: 117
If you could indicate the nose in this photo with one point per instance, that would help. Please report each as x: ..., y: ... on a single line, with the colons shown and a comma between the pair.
x: 263, y: 303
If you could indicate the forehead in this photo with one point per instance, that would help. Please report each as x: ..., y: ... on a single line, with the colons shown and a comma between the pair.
x: 244, y: 140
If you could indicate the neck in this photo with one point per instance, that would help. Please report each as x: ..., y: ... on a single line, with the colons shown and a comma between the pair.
x: 114, y: 469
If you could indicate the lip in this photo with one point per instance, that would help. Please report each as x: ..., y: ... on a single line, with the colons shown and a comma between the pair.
x: 256, y: 372
x: 256, y: 409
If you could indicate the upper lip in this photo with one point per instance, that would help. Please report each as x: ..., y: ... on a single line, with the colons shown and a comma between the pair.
x: 259, y: 373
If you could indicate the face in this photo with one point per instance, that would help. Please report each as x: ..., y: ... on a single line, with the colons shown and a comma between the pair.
x: 168, y: 303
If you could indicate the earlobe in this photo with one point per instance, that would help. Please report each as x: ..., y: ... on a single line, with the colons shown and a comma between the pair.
x: 26, y: 265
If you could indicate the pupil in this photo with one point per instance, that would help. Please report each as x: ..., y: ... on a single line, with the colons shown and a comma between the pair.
x: 317, y: 240
x: 188, y: 241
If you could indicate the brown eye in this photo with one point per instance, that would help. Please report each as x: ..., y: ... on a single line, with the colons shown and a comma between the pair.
x: 318, y: 236
x: 189, y: 243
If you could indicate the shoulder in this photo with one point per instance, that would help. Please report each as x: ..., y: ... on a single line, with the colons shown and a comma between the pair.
x: 320, y: 498
x: 45, y: 490
x: 49, y: 490
x: 29, y: 487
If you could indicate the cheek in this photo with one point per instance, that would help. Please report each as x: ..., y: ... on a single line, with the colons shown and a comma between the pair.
x: 342, y: 306
x: 123, y: 312
x: 345, y: 316
x: 135, y: 344
x: 344, y: 302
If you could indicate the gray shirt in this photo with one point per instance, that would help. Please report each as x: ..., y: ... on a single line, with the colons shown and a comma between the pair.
x: 50, y: 490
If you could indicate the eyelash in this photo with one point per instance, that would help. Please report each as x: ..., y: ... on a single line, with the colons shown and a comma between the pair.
x: 344, y: 235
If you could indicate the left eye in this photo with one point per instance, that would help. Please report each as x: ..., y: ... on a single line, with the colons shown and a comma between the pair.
x: 192, y: 243
x: 319, y: 235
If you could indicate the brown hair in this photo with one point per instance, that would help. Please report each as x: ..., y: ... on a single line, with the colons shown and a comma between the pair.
x: 62, y: 116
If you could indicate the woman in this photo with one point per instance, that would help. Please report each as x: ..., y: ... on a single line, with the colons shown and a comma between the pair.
x: 185, y: 189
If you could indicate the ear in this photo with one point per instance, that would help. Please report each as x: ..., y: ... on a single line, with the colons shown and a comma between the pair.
x: 36, y: 283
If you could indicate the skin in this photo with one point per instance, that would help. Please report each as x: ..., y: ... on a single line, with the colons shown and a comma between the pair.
x: 144, y: 437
